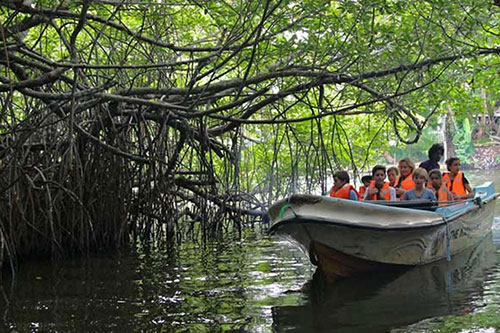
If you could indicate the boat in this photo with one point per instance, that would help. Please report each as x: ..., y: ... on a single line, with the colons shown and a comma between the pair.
x: 346, y: 238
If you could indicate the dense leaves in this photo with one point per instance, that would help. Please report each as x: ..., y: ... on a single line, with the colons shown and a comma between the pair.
x: 201, y: 111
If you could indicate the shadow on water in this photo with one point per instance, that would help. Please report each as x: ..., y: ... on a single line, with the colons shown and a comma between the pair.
x: 380, y: 302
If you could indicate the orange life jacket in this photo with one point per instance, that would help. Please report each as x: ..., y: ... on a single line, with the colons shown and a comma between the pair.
x: 385, y: 191
x: 362, y: 190
x: 441, y: 193
x: 407, y: 183
x: 456, y: 185
x: 343, y: 192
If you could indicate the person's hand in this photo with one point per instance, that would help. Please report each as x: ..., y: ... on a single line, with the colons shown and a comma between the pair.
x: 372, y: 190
x: 458, y: 196
x: 400, y: 192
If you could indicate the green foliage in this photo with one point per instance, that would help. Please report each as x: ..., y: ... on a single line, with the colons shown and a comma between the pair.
x: 417, y: 151
x: 462, y: 139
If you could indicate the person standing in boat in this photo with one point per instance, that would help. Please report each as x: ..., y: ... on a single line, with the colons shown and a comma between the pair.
x: 420, y: 192
x: 435, y: 153
x: 379, y: 189
x: 341, y: 187
x: 435, y: 184
x: 393, y: 176
x: 366, y: 182
x: 455, y: 180
x: 406, y: 183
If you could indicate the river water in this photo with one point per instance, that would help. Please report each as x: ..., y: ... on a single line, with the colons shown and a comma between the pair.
x: 254, y: 284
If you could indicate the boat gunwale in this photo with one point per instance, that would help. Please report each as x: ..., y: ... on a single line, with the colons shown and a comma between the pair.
x: 298, y: 219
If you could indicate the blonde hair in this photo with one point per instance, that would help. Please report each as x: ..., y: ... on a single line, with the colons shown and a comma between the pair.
x: 407, y: 161
x: 420, y: 172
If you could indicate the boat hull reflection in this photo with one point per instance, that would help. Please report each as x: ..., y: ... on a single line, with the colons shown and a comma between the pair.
x: 391, y: 299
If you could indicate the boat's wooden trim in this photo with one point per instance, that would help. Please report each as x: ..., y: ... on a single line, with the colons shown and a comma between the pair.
x: 335, y: 264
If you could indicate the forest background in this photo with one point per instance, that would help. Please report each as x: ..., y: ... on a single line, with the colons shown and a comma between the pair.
x: 126, y: 122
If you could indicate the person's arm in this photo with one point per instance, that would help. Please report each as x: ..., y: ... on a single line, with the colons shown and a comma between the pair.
x: 470, y: 191
x: 353, y: 195
x: 371, y: 190
x: 468, y: 188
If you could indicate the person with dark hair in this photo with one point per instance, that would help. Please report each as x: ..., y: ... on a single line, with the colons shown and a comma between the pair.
x: 341, y: 187
x: 435, y: 183
x: 393, y: 176
x: 435, y: 153
x: 456, y: 182
x: 366, y: 182
x: 379, y: 189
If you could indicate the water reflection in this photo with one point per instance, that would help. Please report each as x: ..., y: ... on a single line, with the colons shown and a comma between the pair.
x: 254, y: 284
x: 379, y: 302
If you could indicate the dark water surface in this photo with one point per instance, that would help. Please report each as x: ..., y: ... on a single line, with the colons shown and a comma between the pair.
x: 258, y: 284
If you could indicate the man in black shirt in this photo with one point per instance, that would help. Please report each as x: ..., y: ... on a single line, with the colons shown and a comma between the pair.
x: 435, y: 153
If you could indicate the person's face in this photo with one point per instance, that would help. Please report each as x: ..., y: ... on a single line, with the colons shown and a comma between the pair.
x: 404, y: 169
x: 338, y: 183
x: 419, y: 181
x: 437, y: 156
x: 435, y: 180
x: 455, y: 166
x: 366, y: 183
x: 379, y: 177
x: 391, y: 175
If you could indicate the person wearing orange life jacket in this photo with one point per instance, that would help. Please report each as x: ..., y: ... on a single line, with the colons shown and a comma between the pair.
x: 366, y: 182
x: 341, y: 187
x: 379, y: 189
x: 406, y: 183
x: 455, y: 180
x: 420, y: 192
x: 435, y: 183
x: 393, y: 176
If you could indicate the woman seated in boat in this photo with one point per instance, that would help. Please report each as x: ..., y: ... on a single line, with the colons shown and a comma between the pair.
x: 341, y: 187
x: 379, y: 189
x: 406, y: 183
x: 366, y: 182
x: 420, y: 192
x: 393, y: 176
x: 455, y: 180
x: 435, y: 184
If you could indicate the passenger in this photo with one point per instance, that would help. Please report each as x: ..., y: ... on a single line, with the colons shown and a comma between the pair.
x: 420, y: 192
x: 366, y: 182
x: 341, y: 187
x: 406, y: 183
x: 393, y: 176
x: 435, y: 153
x: 379, y: 189
x: 435, y: 184
x: 455, y: 180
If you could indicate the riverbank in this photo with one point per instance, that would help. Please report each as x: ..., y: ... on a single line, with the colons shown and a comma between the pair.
x: 485, y: 157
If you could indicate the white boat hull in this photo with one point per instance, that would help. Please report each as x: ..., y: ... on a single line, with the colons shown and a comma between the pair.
x: 380, y: 234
